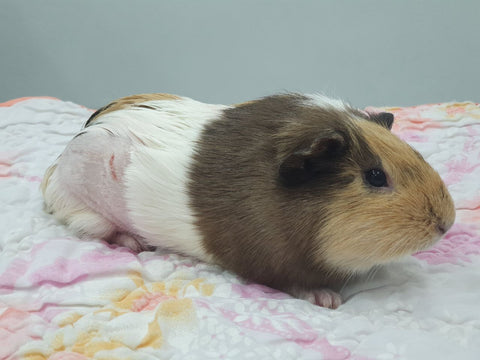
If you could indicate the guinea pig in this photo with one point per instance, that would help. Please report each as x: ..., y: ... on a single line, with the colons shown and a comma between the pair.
x: 296, y: 192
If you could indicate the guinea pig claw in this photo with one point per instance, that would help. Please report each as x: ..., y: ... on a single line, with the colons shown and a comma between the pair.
x: 130, y: 242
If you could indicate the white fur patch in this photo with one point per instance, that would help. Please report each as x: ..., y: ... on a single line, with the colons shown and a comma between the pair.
x: 325, y: 102
x: 163, y: 142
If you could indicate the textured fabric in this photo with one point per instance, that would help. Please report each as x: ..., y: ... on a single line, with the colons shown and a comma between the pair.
x: 66, y: 298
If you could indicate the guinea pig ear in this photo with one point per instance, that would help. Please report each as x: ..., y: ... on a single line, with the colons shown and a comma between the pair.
x: 383, y: 118
x: 303, y: 165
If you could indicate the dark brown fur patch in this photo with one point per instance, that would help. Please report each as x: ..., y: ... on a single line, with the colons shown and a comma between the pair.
x: 252, y: 223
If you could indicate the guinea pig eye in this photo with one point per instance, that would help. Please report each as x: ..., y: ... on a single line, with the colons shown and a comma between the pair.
x: 376, y: 178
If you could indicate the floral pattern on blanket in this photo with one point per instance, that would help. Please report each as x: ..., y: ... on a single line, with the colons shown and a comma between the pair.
x: 71, y: 299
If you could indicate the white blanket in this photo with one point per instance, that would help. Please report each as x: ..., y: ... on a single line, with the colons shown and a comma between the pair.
x: 66, y: 298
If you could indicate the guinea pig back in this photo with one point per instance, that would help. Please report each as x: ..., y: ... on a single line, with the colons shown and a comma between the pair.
x: 292, y: 191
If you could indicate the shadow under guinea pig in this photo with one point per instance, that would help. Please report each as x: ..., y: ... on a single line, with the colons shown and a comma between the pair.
x: 387, y: 284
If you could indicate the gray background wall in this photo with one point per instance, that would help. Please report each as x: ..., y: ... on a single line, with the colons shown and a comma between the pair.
x: 370, y: 52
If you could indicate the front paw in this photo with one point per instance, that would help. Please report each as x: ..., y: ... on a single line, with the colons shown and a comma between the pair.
x: 323, y: 297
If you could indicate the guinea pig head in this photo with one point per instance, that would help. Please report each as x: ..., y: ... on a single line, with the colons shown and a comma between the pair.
x: 376, y: 199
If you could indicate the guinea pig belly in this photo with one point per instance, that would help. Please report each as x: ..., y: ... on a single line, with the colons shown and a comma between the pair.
x: 92, y: 169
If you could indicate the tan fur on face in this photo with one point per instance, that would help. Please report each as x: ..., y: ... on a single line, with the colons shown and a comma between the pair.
x: 127, y: 101
x: 419, y: 202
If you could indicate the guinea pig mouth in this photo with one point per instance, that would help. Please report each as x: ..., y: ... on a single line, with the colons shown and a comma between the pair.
x: 439, y: 231
x: 436, y: 231
x: 434, y: 237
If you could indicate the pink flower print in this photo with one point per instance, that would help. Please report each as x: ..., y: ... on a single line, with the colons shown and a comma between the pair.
x: 455, y: 109
x: 5, y: 168
x: 256, y: 291
x: 458, y: 245
x: 16, y: 328
x: 66, y: 355
x: 6, y: 172
x: 149, y: 301
x: 457, y: 168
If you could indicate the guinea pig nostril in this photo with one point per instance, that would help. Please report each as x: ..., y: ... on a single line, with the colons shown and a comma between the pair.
x: 441, y: 228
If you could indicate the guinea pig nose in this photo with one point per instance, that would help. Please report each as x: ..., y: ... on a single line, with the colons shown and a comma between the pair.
x: 442, y: 228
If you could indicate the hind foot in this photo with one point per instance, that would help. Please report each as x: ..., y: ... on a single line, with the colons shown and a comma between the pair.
x: 130, y: 242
